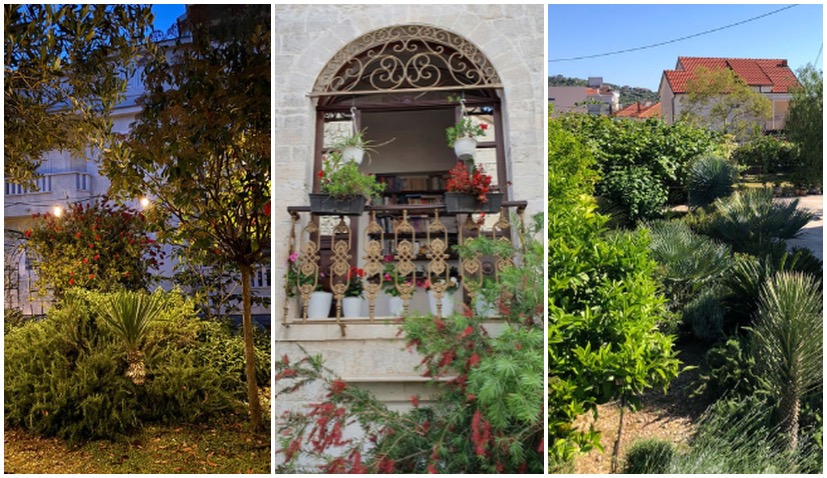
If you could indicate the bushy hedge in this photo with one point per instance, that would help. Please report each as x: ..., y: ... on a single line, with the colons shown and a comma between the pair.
x: 64, y: 375
x: 649, y: 456
x: 767, y: 155
x: 663, y: 151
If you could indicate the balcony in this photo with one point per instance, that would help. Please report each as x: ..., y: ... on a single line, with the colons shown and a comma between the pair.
x: 397, y: 248
x: 51, y: 189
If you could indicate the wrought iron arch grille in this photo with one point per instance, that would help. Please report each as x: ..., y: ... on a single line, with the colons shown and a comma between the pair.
x: 406, y: 58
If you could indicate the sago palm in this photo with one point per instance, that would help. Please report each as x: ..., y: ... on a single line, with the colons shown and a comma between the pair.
x: 788, y: 343
x: 709, y: 178
x: 130, y: 314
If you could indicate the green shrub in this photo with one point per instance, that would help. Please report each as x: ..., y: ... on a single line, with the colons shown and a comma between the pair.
x: 12, y: 318
x: 752, y: 222
x: 729, y: 370
x: 649, y: 456
x: 689, y: 262
x: 704, y: 316
x: 767, y: 155
x: 709, y: 178
x: 736, y: 436
x: 636, y: 191
x: 65, y: 373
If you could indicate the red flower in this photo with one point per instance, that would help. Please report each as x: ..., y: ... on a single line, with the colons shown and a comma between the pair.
x: 71, y: 281
x: 91, y: 276
x: 484, y: 126
x: 28, y: 233
x: 321, y: 174
x: 337, y: 387
x: 85, y: 260
x: 474, y: 360
x: 77, y: 235
x: 415, y: 400
x: 97, y: 256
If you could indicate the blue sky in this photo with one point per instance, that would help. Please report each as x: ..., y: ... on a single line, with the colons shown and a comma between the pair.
x: 795, y: 34
x: 165, y: 15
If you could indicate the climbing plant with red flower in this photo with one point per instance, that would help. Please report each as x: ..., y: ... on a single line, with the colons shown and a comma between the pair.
x: 99, y: 246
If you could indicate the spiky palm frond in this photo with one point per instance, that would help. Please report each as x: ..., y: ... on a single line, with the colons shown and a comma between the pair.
x: 709, y: 178
x: 751, y: 221
x: 130, y: 313
x: 788, y: 342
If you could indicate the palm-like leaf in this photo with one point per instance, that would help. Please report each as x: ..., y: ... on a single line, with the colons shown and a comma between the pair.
x: 751, y: 221
x: 709, y: 178
x: 788, y: 342
x: 130, y: 313
x: 690, y: 261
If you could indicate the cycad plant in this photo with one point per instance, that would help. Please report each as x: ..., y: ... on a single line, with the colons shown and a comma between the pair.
x: 709, y: 178
x: 690, y: 262
x: 788, y: 344
x: 130, y: 314
x: 752, y: 222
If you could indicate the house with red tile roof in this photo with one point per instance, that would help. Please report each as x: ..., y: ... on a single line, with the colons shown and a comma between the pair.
x: 638, y: 110
x: 771, y: 77
x: 596, y: 98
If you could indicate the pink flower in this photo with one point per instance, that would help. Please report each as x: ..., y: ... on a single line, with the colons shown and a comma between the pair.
x: 293, y: 257
x: 388, y: 277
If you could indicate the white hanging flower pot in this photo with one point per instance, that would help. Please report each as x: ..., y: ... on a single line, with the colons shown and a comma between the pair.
x: 353, y: 153
x: 319, y: 305
x: 352, y: 307
x: 465, y: 147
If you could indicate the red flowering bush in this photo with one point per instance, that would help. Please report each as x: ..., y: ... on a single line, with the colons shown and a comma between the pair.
x: 474, y: 182
x: 484, y: 414
x: 101, y: 246
x: 355, y: 288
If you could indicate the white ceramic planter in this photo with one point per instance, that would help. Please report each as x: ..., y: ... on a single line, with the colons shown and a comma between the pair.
x: 352, y: 307
x: 396, y: 306
x: 465, y: 147
x: 447, y: 303
x: 352, y: 153
x: 319, y: 305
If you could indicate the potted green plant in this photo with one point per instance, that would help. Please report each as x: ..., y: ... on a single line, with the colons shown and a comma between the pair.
x: 463, y: 136
x: 451, y: 286
x: 354, y: 294
x: 468, y: 190
x: 390, y: 278
x: 354, y: 147
x: 344, y: 189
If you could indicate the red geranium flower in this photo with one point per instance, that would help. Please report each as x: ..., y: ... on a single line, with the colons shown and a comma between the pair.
x: 28, y: 233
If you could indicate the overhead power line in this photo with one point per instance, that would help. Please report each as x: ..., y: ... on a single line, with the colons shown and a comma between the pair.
x: 597, y: 55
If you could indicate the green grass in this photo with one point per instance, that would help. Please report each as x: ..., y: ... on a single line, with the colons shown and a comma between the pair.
x: 218, y: 447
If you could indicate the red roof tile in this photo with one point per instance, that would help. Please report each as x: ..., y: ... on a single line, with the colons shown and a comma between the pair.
x: 753, y: 71
x: 636, y: 110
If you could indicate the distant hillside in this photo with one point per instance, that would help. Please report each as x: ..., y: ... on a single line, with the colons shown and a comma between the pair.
x: 628, y: 94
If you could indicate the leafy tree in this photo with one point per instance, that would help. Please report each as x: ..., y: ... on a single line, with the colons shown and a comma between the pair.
x: 101, y: 246
x: 805, y: 123
x: 719, y: 99
x: 66, y: 67
x: 201, y: 147
x: 603, y: 305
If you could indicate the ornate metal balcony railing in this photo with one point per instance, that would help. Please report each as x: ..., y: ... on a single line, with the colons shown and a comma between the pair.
x: 399, y: 246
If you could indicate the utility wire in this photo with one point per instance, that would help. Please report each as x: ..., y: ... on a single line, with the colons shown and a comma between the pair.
x: 819, y: 54
x: 672, y: 41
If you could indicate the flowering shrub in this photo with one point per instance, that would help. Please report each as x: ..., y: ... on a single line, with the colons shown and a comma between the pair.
x: 474, y: 182
x: 343, y: 179
x: 485, y: 414
x: 100, y: 246
x: 355, y: 288
x: 465, y: 128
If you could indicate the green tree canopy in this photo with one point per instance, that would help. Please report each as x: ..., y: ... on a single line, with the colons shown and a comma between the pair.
x: 719, y: 99
x: 201, y: 147
x: 805, y: 124
x: 65, y: 68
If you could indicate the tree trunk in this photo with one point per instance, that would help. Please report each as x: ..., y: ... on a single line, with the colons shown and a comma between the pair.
x: 788, y: 410
x: 249, y: 350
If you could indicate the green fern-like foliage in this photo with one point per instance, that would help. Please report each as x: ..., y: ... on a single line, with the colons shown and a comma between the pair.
x: 752, y: 222
x: 689, y: 262
x: 709, y: 178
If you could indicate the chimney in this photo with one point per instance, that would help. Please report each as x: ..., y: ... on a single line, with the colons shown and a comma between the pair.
x: 595, y: 81
x: 783, y: 63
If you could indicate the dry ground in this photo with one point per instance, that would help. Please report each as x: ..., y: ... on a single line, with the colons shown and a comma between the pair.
x: 670, y: 417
